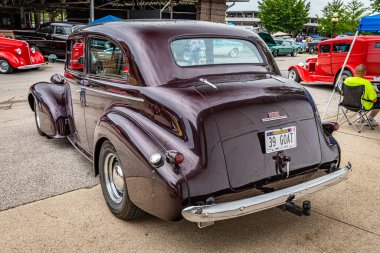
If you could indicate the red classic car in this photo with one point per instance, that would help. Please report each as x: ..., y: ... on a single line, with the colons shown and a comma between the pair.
x: 325, y: 68
x: 207, y: 138
x: 16, y: 54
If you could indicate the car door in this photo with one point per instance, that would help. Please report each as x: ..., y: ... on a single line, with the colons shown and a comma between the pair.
x: 58, y: 42
x: 288, y: 48
x: 45, y: 33
x: 323, y: 66
x: 110, y: 82
x: 74, y: 74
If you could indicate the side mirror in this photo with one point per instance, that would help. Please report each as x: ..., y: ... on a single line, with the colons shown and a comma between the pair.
x: 57, y: 79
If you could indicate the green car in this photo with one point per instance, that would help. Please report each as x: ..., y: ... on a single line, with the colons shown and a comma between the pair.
x: 278, y: 48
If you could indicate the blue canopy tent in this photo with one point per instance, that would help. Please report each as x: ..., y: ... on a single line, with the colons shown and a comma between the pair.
x: 105, y: 19
x: 367, y: 24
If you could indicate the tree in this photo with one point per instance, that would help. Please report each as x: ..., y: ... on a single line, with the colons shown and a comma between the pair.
x: 375, y: 5
x: 349, y: 16
x: 355, y: 10
x: 284, y: 15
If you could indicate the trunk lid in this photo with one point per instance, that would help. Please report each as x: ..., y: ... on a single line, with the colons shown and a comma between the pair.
x: 240, y: 110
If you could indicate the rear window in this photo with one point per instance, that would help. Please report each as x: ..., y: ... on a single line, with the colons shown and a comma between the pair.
x: 214, y: 51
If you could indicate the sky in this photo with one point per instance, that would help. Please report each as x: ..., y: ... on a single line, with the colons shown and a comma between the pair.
x: 315, y: 6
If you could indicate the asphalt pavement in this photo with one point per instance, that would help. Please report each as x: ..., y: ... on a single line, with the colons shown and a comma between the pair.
x: 50, y: 200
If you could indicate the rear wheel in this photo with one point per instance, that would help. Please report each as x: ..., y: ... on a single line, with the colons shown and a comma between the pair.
x: 294, y: 53
x: 346, y: 73
x: 311, y: 50
x: 293, y: 75
x: 5, y: 66
x: 114, y: 187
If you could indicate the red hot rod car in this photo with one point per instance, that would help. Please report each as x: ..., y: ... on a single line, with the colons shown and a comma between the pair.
x: 325, y: 68
x: 207, y: 138
x: 16, y: 54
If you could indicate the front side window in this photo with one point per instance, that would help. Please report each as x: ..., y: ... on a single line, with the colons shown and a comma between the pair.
x: 107, y: 59
x: 325, y: 49
x: 341, y: 47
x: 75, y: 54
x: 63, y: 30
x: 212, y: 51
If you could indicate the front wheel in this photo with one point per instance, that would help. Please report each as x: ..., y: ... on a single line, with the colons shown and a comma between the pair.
x: 293, y: 75
x: 294, y: 53
x: 5, y: 66
x: 311, y: 50
x: 113, y: 183
x: 275, y: 53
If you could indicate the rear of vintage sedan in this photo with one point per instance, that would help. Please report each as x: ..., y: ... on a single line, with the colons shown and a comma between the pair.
x: 218, y: 134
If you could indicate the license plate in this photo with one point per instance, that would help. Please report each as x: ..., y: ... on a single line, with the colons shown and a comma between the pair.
x: 280, y: 139
x: 376, y: 78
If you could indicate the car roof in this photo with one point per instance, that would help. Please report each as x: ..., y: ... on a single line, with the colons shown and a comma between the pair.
x: 173, y: 28
x: 350, y: 38
x: 62, y: 23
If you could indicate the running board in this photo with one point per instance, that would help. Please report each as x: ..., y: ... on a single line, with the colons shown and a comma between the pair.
x: 316, y: 83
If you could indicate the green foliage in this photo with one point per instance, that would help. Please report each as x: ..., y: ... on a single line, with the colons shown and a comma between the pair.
x: 284, y: 15
x: 375, y: 5
x: 349, y: 16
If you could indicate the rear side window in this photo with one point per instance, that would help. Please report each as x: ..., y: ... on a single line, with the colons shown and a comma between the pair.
x: 107, y: 59
x: 377, y: 44
x: 325, y: 49
x: 46, y: 29
x: 341, y: 47
x: 213, y: 51
x: 75, y: 55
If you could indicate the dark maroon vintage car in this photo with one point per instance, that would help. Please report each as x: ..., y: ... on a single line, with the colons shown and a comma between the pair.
x: 207, y: 137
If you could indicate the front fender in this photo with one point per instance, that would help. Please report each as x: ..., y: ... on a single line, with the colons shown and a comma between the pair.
x: 54, y: 104
x: 157, y: 191
x: 303, y: 73
x: 11, y: 58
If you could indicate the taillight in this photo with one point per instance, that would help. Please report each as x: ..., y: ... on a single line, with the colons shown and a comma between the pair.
x: 174, y: 157
x: 330, y: 127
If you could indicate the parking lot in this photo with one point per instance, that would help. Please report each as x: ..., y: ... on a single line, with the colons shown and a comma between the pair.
x: 50, y: 200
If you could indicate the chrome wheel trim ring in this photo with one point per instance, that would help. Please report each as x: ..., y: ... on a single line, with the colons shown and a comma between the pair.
x: 114, y: 178
x: 4, y: 66
x: 37, y: 115
x: 234, y: 53
x: 292, y: 75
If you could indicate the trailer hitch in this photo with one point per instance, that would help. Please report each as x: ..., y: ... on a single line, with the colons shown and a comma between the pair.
x: 290, y: 206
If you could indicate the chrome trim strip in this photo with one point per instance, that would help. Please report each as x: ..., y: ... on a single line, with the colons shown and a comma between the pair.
x: 112, y: 94
x: 203, y: 80
x: 228, y: 210
x: 316, y: 83
x: 274, y: 118
x: 32, y: 66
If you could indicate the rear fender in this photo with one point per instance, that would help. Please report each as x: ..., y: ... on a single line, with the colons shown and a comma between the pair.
x: 54, y: 104
x: 157, y: 191
x: 303, y: 73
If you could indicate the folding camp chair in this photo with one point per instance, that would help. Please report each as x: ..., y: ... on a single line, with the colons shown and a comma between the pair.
x: 352, y: 96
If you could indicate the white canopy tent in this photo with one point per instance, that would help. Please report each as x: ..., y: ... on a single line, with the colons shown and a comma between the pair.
x: 367, y: 24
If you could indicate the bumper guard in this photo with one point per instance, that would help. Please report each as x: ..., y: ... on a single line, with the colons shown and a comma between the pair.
x: 209, y: 213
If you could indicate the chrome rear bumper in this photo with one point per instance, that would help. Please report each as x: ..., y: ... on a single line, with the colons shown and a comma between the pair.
x: 228, y: 210
x: 32, y: 66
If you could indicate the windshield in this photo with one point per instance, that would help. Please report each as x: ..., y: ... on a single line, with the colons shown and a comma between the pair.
x: 213, y: 51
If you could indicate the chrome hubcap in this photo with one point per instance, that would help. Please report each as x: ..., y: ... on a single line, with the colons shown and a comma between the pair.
x: 4, y: 66
x: 292, y: 75
x: 114, y: 178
